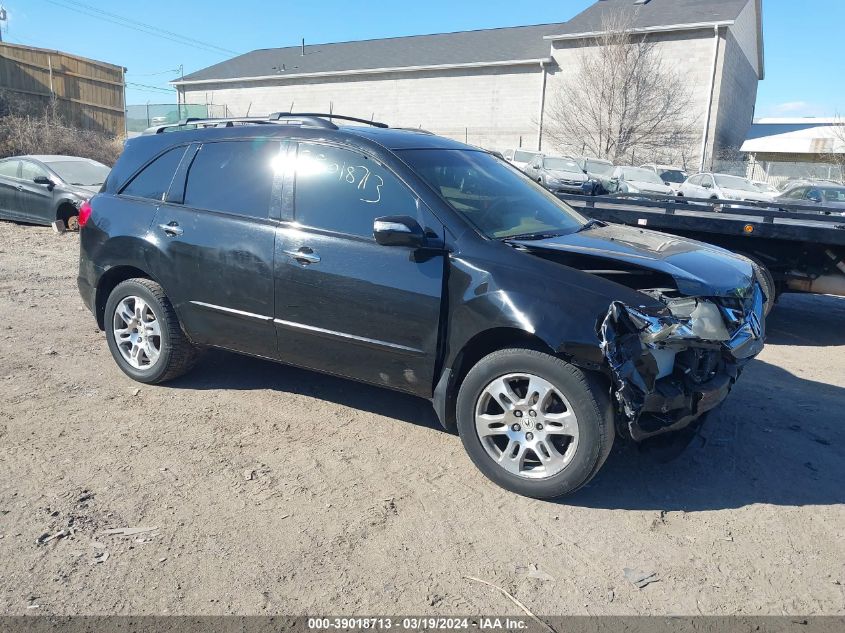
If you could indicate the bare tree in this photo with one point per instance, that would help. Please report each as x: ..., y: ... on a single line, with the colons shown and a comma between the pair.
x: 835, y: 148
x: 623, y: 102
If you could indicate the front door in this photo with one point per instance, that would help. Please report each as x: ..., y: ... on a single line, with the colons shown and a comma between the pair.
x: 216, y: 245
x: 35, y: 201
x: 345, y: 304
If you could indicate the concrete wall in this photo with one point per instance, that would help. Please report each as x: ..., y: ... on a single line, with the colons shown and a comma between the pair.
x: 492, y: 107
x: 745, y: 31
x: 690, y: 52
x: 734, y: 97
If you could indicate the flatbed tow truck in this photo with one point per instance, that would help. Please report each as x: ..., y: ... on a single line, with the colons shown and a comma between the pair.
x: 798, y: 248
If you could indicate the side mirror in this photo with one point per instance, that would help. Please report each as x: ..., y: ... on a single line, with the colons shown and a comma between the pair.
x: 398, y: 230
x: 707, y: 185
x: 42, y: 180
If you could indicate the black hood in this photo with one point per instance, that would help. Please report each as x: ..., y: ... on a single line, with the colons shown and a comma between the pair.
x: 698, y: 269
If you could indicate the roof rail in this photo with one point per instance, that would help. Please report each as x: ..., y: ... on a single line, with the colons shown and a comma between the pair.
x: 322, y: 116
x: 195, y: 122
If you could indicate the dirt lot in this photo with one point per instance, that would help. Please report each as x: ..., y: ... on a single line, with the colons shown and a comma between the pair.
x: 276, y: 490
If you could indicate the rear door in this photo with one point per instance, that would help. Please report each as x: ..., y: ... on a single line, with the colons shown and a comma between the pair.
x: 215, y: 244
x: 9, y: 183
x: 345, y: 304
x: 35, y: 201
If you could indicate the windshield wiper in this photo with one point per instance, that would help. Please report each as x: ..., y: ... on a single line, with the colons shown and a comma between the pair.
x: 592, y: 224
x: 540, y: 235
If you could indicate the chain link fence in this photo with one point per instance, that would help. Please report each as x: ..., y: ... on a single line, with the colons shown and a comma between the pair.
x: 141, y: 117
x: 778, y: 173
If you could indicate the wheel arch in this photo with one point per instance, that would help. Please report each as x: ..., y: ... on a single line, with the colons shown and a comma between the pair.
x: 108, y: 282
x: 476, y: 348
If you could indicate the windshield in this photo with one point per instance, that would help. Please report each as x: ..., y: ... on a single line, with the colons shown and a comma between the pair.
x: 524, y: 157
x: 638, y: 174
x: 735, y: 182
x: 598, y: 167
x: 494, y: 197
x: 673, y: 175
x: 82, y: 173
x: 561, y: 164
x: 765, y: 187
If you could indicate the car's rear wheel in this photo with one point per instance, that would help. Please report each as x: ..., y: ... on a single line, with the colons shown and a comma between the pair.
x: 533, y: 423
x: 144, y: 334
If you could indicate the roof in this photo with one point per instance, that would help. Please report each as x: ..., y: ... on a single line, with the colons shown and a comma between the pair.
x: 654, y: 14
x: 795, y: 136
x: 519, y: 44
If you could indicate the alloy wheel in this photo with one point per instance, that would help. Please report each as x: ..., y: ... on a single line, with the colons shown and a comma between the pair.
x: 137, y: 332
x: 526, y: 425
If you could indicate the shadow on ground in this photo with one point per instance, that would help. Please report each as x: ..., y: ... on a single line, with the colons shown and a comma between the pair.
x: 778, y: 439
x: 807, y: 320
x: 224, y: 370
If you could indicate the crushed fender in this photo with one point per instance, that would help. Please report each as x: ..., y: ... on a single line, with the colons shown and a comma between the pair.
x: 673, y: 364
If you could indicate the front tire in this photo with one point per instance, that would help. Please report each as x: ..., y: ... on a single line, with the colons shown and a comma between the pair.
x: 144, y: 334
x: 533, y: 423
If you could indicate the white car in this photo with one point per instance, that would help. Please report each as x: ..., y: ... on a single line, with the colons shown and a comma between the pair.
x: 722, y: 187
x: 766, y: 187
x: 520, y: 158
x: 638, y: 180
x: 672, y: 177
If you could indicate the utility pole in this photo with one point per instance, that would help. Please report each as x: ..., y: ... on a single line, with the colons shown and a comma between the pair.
x: 3, y: 17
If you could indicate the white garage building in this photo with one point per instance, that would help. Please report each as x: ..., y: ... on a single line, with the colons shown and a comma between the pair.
x: 491, y: 87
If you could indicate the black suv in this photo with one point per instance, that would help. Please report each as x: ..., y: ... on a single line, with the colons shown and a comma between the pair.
x: 417, y: 263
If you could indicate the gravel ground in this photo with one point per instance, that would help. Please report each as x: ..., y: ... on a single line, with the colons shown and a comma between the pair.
x: 277, y: 490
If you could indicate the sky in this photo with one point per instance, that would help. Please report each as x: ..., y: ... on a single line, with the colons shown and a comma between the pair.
x: 803, y: 47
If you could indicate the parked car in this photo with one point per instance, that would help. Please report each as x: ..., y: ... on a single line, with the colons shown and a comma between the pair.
x: 822, y: 195
x: 722, y: 187
x: 637, y: 180
x: 557, y: 174
x: 599, y: 172
x: 672, y: 177
x: 420, y: 264
x: 520, y: 158
x: 43, y: 189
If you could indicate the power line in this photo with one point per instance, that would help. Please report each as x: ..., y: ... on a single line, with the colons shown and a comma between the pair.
x: 150, y: 88
x: 135, y: 25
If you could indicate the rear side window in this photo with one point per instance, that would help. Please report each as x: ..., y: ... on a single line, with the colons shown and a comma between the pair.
x: 154, y: 180
x: 31, y: 171
x: 235, y: 177
x: 9, y: 168
x: 344, y: 191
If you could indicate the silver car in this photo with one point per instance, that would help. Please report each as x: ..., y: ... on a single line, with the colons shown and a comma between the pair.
x: 557, y: 174
x: 722, y: 187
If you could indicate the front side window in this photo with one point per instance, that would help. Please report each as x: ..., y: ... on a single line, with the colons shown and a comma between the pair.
x: 234, y: 177
x: 9, y: 168
x: 31, y: 171
x: 833, y: 194
x: 343, y: 191
x: 496, y: 199
x: 154, y: 180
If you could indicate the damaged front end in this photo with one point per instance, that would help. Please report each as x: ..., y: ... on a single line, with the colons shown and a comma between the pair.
x: 674, y: 363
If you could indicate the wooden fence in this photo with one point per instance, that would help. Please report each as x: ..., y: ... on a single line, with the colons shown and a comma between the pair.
x: 89, y: 94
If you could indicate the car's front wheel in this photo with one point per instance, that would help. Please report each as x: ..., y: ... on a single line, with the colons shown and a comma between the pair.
x: 533, y: 423
x: 144, y: 335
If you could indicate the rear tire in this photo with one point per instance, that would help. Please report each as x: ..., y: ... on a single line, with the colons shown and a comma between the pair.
x: 563, y: 436
x: 144, y: 334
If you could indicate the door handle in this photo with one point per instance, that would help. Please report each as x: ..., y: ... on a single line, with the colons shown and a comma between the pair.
x: 172, y: 229
x: 304, y: 256
x: 19, y: 187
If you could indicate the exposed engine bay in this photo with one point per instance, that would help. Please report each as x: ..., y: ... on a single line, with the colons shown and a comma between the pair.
x: 671, y: 365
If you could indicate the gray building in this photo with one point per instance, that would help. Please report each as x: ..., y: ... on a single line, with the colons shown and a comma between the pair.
x: 492, y: 87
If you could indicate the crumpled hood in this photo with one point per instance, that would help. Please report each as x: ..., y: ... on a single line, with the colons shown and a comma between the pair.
x: 85, y: 192
x: 698, y: 269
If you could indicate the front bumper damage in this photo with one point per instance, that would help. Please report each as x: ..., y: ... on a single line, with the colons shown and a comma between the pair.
x: 673, y: 364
